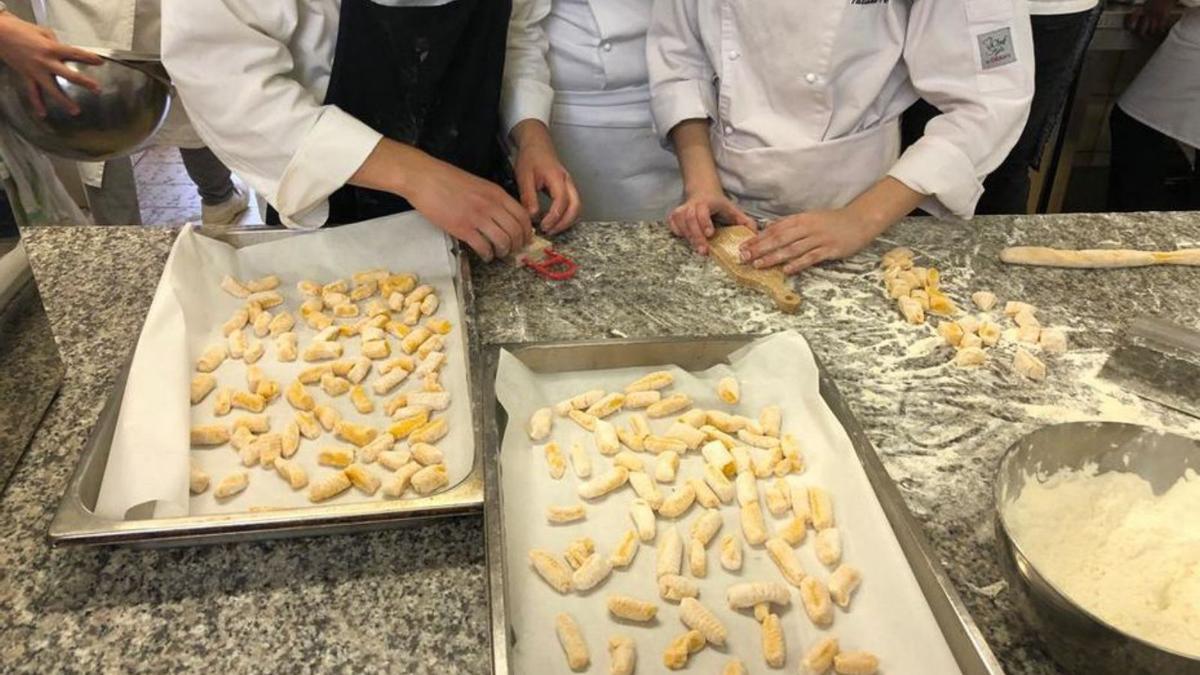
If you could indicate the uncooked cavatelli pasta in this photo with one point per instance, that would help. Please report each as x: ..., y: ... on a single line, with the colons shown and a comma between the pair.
x: 698, y: 617
x: 626, y: 549
x: 551, y: 569
x: 560, y: 515
x: 591, y: 573
x: 669, y: 556
x: 643, y: 519
x: 675, y: 587
x: 773, y: 644
x: 632, y: 609
x: 570, y: 637
x: 622, y: 655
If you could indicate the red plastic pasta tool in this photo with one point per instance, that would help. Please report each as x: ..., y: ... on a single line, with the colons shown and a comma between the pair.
x: 545, y: 262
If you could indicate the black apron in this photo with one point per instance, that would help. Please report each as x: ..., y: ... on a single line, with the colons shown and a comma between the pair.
x: 428, y: 77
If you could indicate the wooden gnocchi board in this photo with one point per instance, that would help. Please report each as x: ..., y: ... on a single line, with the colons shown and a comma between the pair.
x: 725, y: 250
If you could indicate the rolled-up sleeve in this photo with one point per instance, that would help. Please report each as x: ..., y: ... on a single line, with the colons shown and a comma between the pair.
x: 231, y: 63
x: 681, y: 74
x: 526, y: 93
x: 973, y: 60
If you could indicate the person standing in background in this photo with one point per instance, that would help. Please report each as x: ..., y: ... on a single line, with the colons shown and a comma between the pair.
x: 793, y: 112
x: 1155, y: 125
x: 579, y: 67
x: 1062, y: 31
x: 32, y: 192
x: 135, y: 25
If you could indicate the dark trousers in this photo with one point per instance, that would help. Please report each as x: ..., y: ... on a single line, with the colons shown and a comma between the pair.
x: 1059, y: 44
x: 1149, y: 171
x: 212, y: 178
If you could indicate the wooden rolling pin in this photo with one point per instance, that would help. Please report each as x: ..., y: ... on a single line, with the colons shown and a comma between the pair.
x: 1097, y: 258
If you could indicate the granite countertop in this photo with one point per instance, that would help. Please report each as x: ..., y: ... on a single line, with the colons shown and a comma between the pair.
x: 414, y: 600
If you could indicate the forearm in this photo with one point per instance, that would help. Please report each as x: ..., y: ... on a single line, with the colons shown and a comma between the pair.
x: 694, y: 151
x: 390, y: 168
x: 884, y: 204
x: 529, y: 133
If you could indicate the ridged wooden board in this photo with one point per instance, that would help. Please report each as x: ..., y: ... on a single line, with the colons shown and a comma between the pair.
x: 724, y: 246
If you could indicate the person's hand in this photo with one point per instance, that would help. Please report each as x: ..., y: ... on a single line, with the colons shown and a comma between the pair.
x: 473, y: 210
x: 694, y: 219
x: 802, y: 240
x: 1151, y: 19
x: 539, y: 170
x: 34, y: 53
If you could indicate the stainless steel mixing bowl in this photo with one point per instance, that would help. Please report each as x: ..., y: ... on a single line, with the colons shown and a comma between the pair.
x: 1080, y: 641
x: 133, y: 101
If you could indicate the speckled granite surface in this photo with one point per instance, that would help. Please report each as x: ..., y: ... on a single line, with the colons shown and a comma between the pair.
x: 411, y: 601
x: 414, y: 600
x: 29, y: 355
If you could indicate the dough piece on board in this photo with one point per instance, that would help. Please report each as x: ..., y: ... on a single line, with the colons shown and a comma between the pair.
x: 725, y: 250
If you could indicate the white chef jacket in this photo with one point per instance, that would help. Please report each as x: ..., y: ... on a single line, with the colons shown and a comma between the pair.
x: 805, y: 102
x: 253, y: 76
x: 581, y: 69
x: 1166, y: 94
x: 1051, y: 7
x: 115, y: 24
x: 586, y: 57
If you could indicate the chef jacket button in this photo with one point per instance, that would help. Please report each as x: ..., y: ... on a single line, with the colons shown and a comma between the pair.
x: 607, y: 46
x: 810, y: 78
x: 734, y: 55
x: 728, y: 129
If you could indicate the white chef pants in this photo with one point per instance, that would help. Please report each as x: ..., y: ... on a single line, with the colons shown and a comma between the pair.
x: 622, y: 173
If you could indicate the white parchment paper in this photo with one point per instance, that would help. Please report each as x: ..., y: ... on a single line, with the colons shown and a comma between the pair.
x: 148, y: 462
x: 888, y: 616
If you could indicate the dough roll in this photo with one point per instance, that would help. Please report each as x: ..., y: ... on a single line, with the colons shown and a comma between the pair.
x: 1097, y: 258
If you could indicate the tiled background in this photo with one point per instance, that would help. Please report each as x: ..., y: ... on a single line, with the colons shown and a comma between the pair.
x: 166, y: 195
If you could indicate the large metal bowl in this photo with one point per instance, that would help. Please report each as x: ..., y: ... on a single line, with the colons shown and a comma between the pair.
x: 133, y: 101
x: 1080, y: 641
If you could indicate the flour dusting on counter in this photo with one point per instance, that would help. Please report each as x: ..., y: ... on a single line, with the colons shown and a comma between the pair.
x: 1125, y: 554
x: 939, y: 430
x: 1100, y: 399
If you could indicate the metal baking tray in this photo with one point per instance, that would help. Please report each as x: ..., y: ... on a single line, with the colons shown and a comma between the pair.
x: 76, y: 522
x: 966, y: 643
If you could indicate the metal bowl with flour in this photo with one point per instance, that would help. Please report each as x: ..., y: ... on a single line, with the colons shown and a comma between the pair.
x: 134, y: 97
x: 1078, y: 639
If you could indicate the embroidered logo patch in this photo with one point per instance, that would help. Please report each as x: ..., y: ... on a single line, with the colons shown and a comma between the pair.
x: 996, y: 48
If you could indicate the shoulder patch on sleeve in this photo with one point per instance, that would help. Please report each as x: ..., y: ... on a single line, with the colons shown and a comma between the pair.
x: 996, y: 48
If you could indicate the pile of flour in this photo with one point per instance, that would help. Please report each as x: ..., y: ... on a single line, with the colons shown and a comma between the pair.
x: 1112, y: 546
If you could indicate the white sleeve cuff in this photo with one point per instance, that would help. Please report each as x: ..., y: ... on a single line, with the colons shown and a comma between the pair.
x: 937, y: 168
x: 331, y: 152
x: 525, y: 99
x: 679, y: 100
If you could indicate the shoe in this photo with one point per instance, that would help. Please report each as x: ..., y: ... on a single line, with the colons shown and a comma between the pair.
x: 227, y: 212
